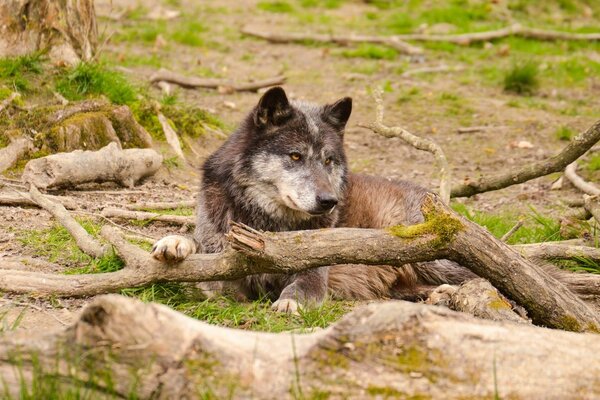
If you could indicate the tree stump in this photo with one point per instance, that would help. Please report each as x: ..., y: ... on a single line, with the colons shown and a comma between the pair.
x: 66, y: 29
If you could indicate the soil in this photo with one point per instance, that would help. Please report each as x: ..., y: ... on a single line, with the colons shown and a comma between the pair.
x: 320, y: 74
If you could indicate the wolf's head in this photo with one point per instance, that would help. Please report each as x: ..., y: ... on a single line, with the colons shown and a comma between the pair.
x: 295, y: 157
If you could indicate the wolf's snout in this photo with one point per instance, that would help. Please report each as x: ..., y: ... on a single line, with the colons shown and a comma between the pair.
x: 326, y: 202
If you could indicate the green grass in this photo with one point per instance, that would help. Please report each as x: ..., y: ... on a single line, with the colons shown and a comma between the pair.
x: 57, y: 245
x: 15, y: 71
x: 522, y: 78
x: 372, y: 52
x: 329, y: 4
x: 227, y: 312
x: 594, y: 163
x: 93, y: 79
x: 189, y: 33
x: 185, y: 211
x: 280, y: 7
x: 537, y: 227
x: 564, y: 133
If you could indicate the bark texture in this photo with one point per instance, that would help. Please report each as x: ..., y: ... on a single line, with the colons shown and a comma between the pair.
x: 109, y: 164
x: 121, y: 346
x: 66, y: 29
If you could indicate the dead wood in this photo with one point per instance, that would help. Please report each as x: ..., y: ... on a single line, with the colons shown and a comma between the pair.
x: 342, y: 40
x: 445, y: 235
x: 112, y: 212
x: 171, y: 136
x: 17, y: 149
x: 575, y: 149
x: 20, y: 199
x: 579, y: 182
x: 592, y: 206
x: 66, y: 30
x: 151, y: 351
x: 109, y: 164
x: 162, y: 205
x: 84, y: 240
x: 415, y: 141
x: 558, y: 251
x: 225, y: 86
x: 512, y: 230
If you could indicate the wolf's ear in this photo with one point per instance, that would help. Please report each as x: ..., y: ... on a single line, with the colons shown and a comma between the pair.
x: 273, y: 108
x: 337, y: 114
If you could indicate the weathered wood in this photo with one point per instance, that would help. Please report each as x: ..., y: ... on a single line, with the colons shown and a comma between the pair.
x: 112, y: 212
x: 394, y: 348
x: 16, y: 150
x: 65, y: 29
x: 109, y: 164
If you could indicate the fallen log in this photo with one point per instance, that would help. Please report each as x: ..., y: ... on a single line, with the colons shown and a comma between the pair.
x: 444, y: 235
x: 557, y: 163
x: 119, y: 346
x: 164, y: 75
x: 109, y: 164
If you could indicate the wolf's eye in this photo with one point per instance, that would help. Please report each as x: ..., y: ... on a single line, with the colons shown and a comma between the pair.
x: 295, y: 156
x: 328, y: 161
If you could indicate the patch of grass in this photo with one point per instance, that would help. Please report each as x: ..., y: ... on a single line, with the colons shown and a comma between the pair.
x: 227, y: 312
x: 280, y: 7
x: 580, y: 264
x: 522, y: 79
x: 564, y: 133
x: 14, y: 71
x: 594, y: 163
x: 408, y: 95
x: 185, y: 211
x: 8, y: 326
x: 371, y: 51
x: 537, y: 227
x: 90, y: 79
x: 189, y: 33
x: 329, y: 4
x: 57, y: 245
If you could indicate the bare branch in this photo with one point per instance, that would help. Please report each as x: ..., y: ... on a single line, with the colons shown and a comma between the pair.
x: 162, y: 205
x: 84, y: 240
x: 21, y: 199
x: 164, y: 75
x: 111, y: 212
x: 171, y: 136
x: 512, y: 230
x: 415, y: 141
x: 575, y: 149
x: 578, y: 182
x: 342, y: 40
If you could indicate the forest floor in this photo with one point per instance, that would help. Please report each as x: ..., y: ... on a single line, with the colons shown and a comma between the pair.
x: 563, y: 80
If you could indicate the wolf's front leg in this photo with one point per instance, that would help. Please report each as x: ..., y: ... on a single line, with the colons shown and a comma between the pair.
x: 173, y: 248
x: 305, y: 288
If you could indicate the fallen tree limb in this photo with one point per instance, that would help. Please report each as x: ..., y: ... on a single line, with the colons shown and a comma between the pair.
x: 415, y: 141
x: 21, y: 199
x: 342, y: 40
x: 112, y: 212
x: 592, y: 206
x: 164, y: 75
x: 557, y: 251
x: 171, y: 136
x: 162, y: 205
x: 109, y: 164
x: 84, y: 240
x: 575, y: 149
x: 393, y: 347
x: 17, y: 149
x: 445, y: 235
x: 579, y: 182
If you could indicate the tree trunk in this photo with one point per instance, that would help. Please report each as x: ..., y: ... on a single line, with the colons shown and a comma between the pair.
x: 66, y: 29
x: 123, y: 347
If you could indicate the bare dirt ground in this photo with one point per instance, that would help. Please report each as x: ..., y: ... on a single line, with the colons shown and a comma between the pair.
x: 432, y: 105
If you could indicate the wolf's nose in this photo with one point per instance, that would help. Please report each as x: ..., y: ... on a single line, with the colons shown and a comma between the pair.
x: 327, y: 202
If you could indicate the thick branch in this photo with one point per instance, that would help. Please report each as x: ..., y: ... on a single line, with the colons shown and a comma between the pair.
x: 415, y: 141
x: 164, y: 75
x: 579, y: 182
x: 393, y: 347
x: 84, y: 240
x: 575, y: 149
x: 342, y: 40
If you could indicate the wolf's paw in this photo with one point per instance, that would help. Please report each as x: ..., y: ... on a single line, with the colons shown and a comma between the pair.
x: 173, y: 248
x: 286, y: 306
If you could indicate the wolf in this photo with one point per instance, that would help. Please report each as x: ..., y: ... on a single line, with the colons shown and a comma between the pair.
x: 285, y: 169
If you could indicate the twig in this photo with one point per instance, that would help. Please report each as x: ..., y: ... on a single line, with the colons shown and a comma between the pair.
x: 171, y: 136
x: 575, y: 149
x: 415, y: 141
x: 512, y: 230
x: 578, y: 182
x: 111, y: 212
x: 84, y: 240
x: 123, y: 227
x: 162, y: 205
x: 342, y: 40
x: 474, y: 129
x: 164, y: 75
